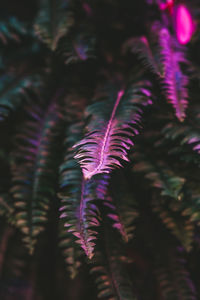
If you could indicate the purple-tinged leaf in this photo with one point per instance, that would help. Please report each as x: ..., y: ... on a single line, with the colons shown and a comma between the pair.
x: 123, y: 211
x: 78, y: 211
x: 113, y: 124
x: 110, y: 268
x: 175, y: 82
x: 145, y: 51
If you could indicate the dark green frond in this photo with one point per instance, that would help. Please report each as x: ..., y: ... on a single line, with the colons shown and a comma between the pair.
x: 183, y: 139
x: 97, y: 173
x: 77, y: 196
x: 70, y: 251
x: 173, y: 278
x: 14, y: 91
x: 176, y: 220
x: 54, y: 20
x: 112, y: 278
x: 34, y: 169
x: 6, y: 207
x: 160, y: 176
x: 123, y: 209
x: 171, y: 199
x: 146, y: 53
x: 78, y: 45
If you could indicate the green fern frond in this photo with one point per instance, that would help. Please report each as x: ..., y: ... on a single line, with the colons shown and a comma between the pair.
x: 77, y: 195
x: 6, y: 208
x: 16, y: 259
x: 14, y: 91
x: 110, y: 269
x: 160, y: 176
x: 186, y: 136
x: 34, y: 169
x: 176, y: 221
x: 173, y: 278
x: 172, y: 197
x: 70, y: 251
x: 123, y: 209
x: 53, y: 22
x: 145, y: 50
x: 78, y: 45
x: 193, y: 212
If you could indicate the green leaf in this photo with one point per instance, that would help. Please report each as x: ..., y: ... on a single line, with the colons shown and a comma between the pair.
x: 14, y: 91
x: 34, y: 169
x: 54, y: 20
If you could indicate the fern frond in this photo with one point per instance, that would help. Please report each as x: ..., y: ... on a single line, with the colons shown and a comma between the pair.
x: 78, y: 45
x: 77, y: 196
x: 16, y: 259
x: 109, y: 266
x: 146, y: 53
x: 81, y: 216
x: 114, y: 122
x: 14, y: 91
x: 175, y: 82
x: 174, y: 219
x: 170, y: 204
x: 6, y: 207
x: 173, y: 278
x: 53, y: 21
x: 34, y: 169
x: 182, y: 135
x: 163, y: 55
x: 70, y: 250
x: 191, y: 207
x: 160, y: 176
x: 123, y: 210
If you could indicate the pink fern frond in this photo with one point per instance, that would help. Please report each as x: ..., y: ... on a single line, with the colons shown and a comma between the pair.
x: 110, y: 132
x: 79, y: 213
x: 174, y: 81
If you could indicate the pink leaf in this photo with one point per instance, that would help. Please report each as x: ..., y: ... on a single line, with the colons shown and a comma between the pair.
x: 184, y: 24
x: 111, y: 130
x: 174, y: 80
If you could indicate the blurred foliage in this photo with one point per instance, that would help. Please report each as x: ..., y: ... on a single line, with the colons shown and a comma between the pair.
x: 89, y: 88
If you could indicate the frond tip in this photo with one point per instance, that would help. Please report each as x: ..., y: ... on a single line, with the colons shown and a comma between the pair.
x: 175, y: 82
x: 79, y: 213
x: 110, y: 132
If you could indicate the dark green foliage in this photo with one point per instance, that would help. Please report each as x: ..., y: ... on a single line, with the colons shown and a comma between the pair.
x: 173, y: 278
x: 14, y: 90
x: 123, y: 213
x: 53, y: 21
x: 70, y: 251
x: 99, y: 181
x: 110, y: 268
x: 77, y: 196
x: 78, y: 45
x: 33, y: 168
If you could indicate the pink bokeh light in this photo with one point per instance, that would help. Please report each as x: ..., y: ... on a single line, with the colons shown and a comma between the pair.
x: 184, y: 24
x: 168, y: 5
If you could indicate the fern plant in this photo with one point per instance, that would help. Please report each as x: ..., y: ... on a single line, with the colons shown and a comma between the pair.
x: 99, y: 150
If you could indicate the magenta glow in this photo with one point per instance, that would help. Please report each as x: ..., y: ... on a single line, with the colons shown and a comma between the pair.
x: 184, y: 24
x: 168, y: 5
